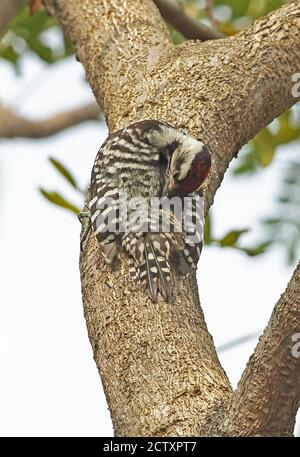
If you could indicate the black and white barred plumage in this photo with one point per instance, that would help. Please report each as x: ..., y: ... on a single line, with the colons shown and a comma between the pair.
x: 141, y: 162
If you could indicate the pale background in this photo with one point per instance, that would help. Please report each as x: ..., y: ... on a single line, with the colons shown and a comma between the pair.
x: 49, y: 381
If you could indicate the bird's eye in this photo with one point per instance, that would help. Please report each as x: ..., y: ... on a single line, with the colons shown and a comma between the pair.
x: 176, y: 175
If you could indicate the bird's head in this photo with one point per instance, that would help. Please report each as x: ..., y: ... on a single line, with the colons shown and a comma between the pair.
x: 188, y: 166
x: 185, y: 161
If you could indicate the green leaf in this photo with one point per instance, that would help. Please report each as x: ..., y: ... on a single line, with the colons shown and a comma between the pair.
x: 69, y: 50
x: 44, y: 52
x: 177, y: 37
x: 8, y: 53
x: 264, y: 145
x: 261, y: 151
x: 30, y: 30
x: 250, y: 8
x: 238, y: 7
x: 271, y: 221
x: 59, y: 200
x: 246, y: 167
x: 287, y: 131
x: 65, y: 173
x: 232, y: 237
x: 208, y: 229
x: 260, y: 249
x: 292, y: 253
x: 284, y: 199
x: 291, y: 180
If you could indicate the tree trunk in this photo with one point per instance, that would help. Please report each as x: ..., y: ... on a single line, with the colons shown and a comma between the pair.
x: 157, y: 362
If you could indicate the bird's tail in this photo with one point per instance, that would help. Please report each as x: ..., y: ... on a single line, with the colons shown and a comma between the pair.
x: 150, y: 262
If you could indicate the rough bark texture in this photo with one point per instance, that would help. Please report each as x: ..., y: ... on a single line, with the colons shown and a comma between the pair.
x: 270, y: 385
x: 157, y: 362
x: 13, y: 126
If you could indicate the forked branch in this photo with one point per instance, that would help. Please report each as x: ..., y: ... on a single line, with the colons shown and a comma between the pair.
x: 157, y: 362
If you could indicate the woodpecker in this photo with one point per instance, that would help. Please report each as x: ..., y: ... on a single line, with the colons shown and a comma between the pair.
x: 145, y: 200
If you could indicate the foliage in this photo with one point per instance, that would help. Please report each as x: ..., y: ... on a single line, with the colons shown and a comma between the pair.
x: 232, y: 15
x: 260, y: 152
x: 283, y: 227
x: 29, y: 33
x: 65, y: 173
x: 56, y: 198
x: 232, y: 240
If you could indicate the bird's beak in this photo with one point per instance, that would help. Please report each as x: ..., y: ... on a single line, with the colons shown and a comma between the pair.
x: 165, y: 190
x: 170, y: 188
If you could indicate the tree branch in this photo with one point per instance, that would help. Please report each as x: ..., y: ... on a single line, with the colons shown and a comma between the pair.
x: 14, y: 126
x: 209, y: 7
x: 8, y: 10
x: 268, y: 395
x: 186, y: 25
x: 159, y: 359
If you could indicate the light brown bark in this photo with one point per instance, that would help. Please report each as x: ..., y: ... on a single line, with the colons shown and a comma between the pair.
x: 268, y: 395
x: 157, y: 362
x: 13, y: 126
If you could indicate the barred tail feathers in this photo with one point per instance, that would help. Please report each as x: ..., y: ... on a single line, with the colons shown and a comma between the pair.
x: 158, y: 251
x: 194, y: 232
x: 149, y: 262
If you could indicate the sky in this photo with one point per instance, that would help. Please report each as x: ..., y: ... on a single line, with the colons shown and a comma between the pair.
x: 49, y: 384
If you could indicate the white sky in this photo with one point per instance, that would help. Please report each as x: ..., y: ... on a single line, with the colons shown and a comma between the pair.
x: 49, y: 385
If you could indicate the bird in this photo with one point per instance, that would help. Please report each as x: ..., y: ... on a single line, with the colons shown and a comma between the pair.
x: 145, y: 200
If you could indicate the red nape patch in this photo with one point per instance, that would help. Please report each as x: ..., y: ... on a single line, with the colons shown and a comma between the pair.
x: 34, y: 6
x: 196, y: 176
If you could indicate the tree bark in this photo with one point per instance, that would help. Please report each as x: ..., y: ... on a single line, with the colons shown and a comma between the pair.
x: 157, y: 362
x: 268, y: 395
